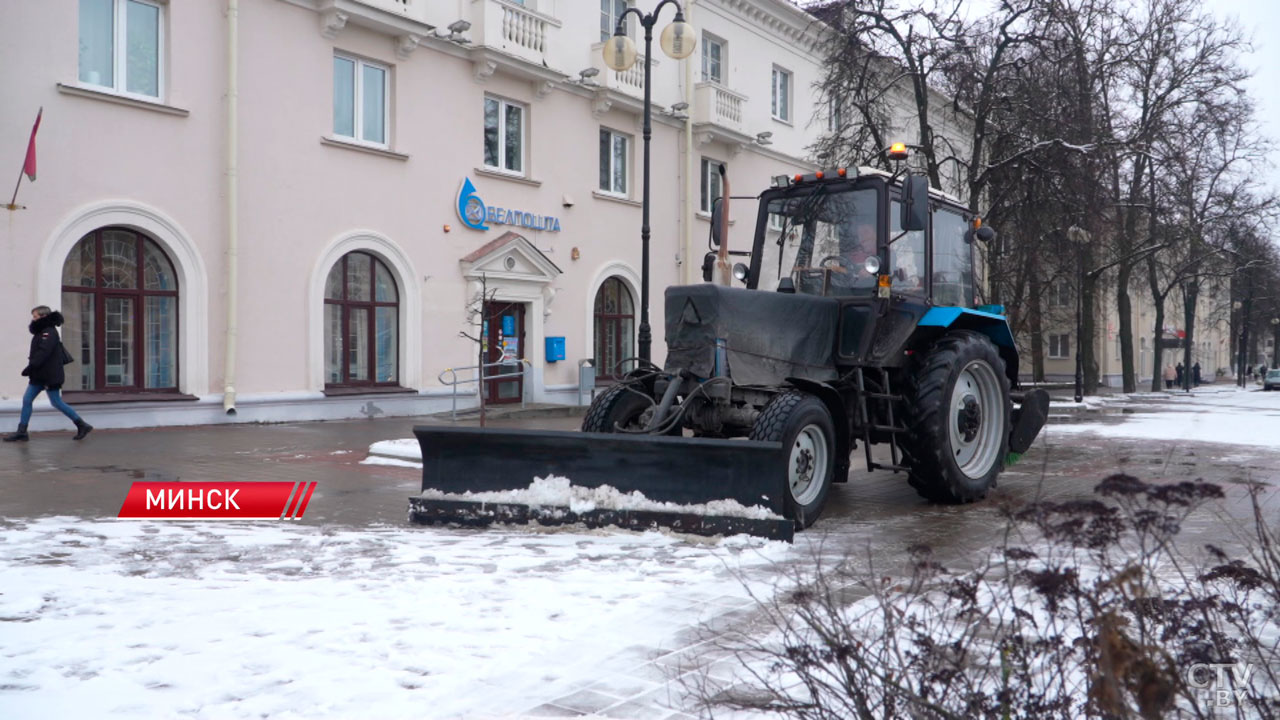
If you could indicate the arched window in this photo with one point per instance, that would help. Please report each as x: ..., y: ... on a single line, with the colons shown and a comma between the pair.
x: 120, y: 304
x: 614, y: 328
x: 361, y: 323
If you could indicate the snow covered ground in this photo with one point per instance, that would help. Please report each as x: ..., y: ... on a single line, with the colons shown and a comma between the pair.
x: 132, y: 619
x: 1213, y: 415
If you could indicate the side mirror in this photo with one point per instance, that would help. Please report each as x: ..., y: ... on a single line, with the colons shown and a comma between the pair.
x: 915, y: 203
x: 717, y: 222
x: 708, y: 266
x: 985, y: 234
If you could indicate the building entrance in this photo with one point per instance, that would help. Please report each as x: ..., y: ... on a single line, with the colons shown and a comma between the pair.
x: 505, y: 344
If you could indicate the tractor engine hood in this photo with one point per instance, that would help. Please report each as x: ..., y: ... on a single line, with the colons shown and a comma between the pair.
x: 769, y: 336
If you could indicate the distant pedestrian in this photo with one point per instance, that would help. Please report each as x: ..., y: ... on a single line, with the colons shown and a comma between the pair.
x: 1180, y: 371
x: 44, y: 371
x: 1168, y: 377
x: 1195, y: 374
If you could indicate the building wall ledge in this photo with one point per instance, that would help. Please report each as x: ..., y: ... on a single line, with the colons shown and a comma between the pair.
x: 94, y: 93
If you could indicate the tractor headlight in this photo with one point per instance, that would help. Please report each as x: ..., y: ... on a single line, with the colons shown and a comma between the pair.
x: 872, y: 264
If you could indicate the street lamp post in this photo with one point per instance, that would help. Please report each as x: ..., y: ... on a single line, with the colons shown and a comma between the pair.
x: 677, y: 42
x: 1240, y: 342
x: 1275, y: 342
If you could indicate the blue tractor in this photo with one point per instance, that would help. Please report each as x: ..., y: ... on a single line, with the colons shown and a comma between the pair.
x: 852, y: 320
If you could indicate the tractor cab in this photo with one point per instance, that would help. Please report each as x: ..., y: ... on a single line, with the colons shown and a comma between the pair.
x: 833, y: 235
x: 884, y: 247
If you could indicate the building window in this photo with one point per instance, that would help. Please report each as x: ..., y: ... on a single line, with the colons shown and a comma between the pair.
x: 1060, y: 294
x: 503, y: 135
x: 610, y: 11
x: 613, y: 162
x: 781, y: 105
x: 713, y: 58
x: 1060, y: 346
x: 835, y: 118
x: 121, y: 43
x: 614, y: 329
x: 360, y: 100
x: 711, y: 187
x: 361, y: 323
x: 120, y: 310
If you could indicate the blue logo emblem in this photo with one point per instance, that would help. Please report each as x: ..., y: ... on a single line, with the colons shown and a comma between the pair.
x: 471, y: 209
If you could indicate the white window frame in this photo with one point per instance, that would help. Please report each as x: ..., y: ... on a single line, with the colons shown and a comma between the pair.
x: 626, y: 173
x: 613, y: 22
x: 503, y: 104
x: 120, y: 52
x: 358, y: 104
x: 785, y: 104
x: 835, y: 117
x: 708, y: 167
x: 775, y: 222
x: 1056, y: 349
x: 707, y: 41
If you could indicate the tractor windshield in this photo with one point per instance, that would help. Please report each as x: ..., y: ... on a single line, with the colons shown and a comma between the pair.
x: 821, y: 240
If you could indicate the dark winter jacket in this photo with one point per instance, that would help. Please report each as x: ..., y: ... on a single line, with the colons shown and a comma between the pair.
x: 44, y: 363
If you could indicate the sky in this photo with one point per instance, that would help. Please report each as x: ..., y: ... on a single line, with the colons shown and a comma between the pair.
x: 1260, y: 20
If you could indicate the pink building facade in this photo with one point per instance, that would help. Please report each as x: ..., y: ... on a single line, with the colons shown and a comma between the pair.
x: 380, y: 188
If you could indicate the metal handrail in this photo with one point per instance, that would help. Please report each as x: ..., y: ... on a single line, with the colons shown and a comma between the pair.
x: 480, y: 378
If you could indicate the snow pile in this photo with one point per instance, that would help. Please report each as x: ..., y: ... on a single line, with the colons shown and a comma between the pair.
x: 559, y: 492
x: 403, y: 449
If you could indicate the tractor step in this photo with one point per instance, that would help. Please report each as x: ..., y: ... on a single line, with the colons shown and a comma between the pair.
x: 895, y: 468
x: 889, y: 428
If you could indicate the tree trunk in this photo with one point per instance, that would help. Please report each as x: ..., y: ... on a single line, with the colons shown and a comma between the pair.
x: 1125, y: 308
x: 1190, y: 294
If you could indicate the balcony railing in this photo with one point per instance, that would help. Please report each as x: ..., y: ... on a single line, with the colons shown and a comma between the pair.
x: 515, y: 30
x: 718, y: 106
x: 629, y: 81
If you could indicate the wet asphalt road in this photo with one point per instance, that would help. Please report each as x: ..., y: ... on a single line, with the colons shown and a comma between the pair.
x: 54, y: 475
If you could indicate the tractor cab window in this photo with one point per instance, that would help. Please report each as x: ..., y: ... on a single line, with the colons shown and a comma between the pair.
x: 823, y: 244
x: 906, y: 254
x: 952, y: 260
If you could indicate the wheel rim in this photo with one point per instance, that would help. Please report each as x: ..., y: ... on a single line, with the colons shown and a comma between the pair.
x: 975, y: 418
x: 807, y: 464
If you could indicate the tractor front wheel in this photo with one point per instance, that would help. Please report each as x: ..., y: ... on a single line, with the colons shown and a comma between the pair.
x: 802, y: 423
x: 621, y: 406
x: 958, y: 416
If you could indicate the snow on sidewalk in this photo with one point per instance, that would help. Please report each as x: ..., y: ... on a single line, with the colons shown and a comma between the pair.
x: 142, y: 619
x: 1230, y: 417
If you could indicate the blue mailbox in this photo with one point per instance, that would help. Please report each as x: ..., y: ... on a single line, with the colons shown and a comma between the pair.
x: 555, y: 349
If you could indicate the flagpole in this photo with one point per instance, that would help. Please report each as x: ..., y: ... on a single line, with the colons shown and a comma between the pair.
x: 14, y: 199
x: 28, y: 163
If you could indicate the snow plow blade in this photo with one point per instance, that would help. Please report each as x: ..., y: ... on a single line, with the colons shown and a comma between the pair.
x: 680, y: 471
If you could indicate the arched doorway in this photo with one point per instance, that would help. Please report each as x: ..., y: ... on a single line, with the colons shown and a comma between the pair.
x: 120, y: 305
x: 614, y: 315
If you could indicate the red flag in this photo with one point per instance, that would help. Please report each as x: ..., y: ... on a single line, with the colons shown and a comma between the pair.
x: 29, y: 167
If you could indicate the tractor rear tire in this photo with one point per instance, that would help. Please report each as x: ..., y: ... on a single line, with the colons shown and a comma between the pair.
x: 619, y: 406
x: 957, y: 419
x: 802, y: 423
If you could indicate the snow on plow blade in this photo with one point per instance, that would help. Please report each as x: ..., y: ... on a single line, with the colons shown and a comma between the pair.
x: 674, y: 474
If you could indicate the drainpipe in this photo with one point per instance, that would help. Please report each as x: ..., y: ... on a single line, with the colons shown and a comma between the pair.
x: 690, y: 165
x: 233, y: 96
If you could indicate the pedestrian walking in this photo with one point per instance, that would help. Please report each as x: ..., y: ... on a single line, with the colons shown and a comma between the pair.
x: 1180, y: 371
x: 1195, y: 374
x: 1168, y: 377
x: 44, y: 372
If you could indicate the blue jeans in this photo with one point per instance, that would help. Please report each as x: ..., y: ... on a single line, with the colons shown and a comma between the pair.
x: 55, y: 398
